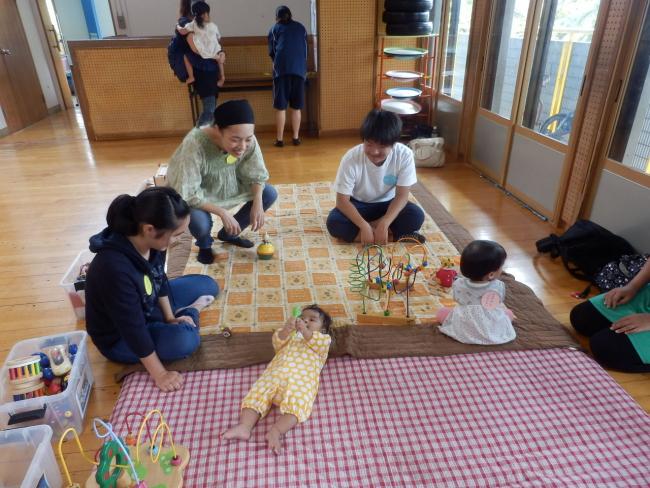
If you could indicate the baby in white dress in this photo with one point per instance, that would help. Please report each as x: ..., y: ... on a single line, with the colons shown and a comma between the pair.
x: 480, y: 316
x: 205, y: 40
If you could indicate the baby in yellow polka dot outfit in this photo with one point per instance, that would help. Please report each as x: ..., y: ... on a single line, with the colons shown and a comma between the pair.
x: 290, y: 381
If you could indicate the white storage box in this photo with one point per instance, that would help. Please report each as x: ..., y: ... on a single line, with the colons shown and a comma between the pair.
x: 27, y: 459
x: 60, y: 411
x: 75, y: 288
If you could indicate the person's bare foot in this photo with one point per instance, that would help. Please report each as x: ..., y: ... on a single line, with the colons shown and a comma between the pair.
x: 239, y: 431
x: 274, y: 441
x: 200, y: 303
x: 190, y: 80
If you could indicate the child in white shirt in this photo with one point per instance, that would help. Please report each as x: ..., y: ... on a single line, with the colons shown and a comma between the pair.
x: 204, y: 40
x: 373, y: 185
x: 480, y: 317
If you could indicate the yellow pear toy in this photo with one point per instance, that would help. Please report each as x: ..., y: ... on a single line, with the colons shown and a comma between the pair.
x: 266, y: 249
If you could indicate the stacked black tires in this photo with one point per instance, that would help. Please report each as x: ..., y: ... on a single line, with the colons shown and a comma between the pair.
x: 407, y: 17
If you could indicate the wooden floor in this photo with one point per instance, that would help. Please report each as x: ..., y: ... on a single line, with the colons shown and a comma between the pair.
x: 56, y: 187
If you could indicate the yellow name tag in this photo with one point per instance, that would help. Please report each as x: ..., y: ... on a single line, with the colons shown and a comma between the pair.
x: 230, y: 159
x: 148, y: 286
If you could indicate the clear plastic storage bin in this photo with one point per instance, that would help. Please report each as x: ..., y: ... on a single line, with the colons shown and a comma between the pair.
x: 60, y: 411
x: 27, y: 459
x: 74, y: 288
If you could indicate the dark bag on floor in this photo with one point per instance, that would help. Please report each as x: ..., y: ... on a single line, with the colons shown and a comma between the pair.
x: 585, y: 248
x: 620, y: 273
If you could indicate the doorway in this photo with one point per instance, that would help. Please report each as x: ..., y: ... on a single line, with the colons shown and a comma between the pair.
x: 21, y: 98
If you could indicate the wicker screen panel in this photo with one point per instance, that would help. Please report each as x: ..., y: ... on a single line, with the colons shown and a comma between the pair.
x: 244, y: 60
x: 583, y: 162
x: 122, y: 86
x: 346, y: 66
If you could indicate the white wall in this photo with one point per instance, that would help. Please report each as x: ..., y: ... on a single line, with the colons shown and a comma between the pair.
x: 104, y: 19
x: 621, y: 205
x: 234, y: 17
x: 30, y: 16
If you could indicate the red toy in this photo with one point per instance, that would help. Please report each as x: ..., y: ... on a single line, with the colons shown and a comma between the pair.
x: 445, y: 276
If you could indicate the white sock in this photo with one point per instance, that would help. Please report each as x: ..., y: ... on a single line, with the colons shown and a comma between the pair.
x: 200, y: 303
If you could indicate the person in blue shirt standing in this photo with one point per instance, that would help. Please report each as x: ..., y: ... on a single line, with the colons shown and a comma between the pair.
x: 288, y: 50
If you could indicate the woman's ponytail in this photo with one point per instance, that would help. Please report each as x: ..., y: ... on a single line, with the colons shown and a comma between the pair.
x: 121, y: 215
x: 161, y: 207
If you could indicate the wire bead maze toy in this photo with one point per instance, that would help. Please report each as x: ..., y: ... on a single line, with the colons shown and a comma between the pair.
x: 129, y: 463
x: 377, y: 275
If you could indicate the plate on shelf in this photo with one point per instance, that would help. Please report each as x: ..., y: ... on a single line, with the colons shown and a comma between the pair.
x: 405, y: 52
x: 404, y: 93
x: 402, y: 75
x: 401, y: 107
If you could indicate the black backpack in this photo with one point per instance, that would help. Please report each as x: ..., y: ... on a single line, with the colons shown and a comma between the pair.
x: 585, y: 248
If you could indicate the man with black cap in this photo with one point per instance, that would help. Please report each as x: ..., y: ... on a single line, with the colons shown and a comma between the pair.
x: 217, y: 168
x: 288, y: 50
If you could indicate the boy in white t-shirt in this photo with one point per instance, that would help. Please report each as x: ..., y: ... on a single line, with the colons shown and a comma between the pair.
x: 373, y: 184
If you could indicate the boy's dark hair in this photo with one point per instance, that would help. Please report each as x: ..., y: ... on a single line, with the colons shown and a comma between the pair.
x: 381, y: 126
x: 283, y: 14
x: 324, y: 316
x: 480, y: 258
x: 198, y: 9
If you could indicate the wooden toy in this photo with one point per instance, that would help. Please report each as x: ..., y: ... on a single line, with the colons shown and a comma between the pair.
x: 375, y: 275
x: 129, y: 463
x: 24, y: 370
x: 265, y: 250
x: 59, y: 361
x: 28, y: 390
x: 160, y: 178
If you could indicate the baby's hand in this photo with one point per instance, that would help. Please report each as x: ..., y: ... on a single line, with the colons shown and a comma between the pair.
x: 301, y: 326
x: 290, y: 324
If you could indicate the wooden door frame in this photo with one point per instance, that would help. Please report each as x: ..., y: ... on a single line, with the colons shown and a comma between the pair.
x: 61, y: 76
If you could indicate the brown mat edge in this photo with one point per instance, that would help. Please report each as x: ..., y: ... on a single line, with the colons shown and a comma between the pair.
x: 241, y: 350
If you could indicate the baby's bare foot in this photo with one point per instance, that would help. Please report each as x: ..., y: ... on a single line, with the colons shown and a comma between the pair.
x: 240, y: 432
x: 274, y: 440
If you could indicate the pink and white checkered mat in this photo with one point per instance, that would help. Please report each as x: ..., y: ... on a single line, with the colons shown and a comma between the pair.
x: 512, y: 419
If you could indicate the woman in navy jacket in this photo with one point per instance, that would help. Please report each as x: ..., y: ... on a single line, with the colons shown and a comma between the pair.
x: 133, y: 313
x: 287, y: 41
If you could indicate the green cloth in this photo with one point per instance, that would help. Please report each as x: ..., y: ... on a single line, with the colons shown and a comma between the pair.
x: 639, y: 304
x: 200, y: 171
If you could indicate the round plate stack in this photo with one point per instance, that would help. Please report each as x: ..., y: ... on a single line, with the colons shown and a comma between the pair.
x: 407, y: 17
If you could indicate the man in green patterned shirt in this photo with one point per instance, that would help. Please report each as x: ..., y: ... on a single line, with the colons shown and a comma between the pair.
x: 217, y: 168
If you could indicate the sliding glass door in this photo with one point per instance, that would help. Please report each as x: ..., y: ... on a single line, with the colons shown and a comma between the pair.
x: 494, y: 121
x: 535, y: 68
x: 457, y: 16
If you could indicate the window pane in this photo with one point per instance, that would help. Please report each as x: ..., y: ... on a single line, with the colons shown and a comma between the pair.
x: 458, y: 24
x: 506, y: 40
x: 561, y: 49
x: 631, y: 144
